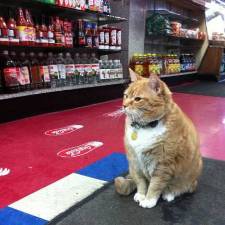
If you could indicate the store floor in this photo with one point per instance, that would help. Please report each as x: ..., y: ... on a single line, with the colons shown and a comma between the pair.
x: 53, y: 161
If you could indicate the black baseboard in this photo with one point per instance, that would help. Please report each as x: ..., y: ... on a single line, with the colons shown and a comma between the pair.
x: 17, y: 108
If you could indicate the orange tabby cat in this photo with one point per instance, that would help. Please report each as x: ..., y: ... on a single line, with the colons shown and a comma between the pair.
x: 161, y: 142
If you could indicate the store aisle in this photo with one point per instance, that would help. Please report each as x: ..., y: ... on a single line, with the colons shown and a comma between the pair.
x: 52, y: 161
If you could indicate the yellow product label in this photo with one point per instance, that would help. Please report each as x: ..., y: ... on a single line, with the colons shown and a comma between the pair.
x: 23, y: 33
x: 139, y: 69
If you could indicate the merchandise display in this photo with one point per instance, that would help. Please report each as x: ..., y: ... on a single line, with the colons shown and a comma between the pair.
x: 162, y: 64
x: 157, y: 24
x: 34, y: 71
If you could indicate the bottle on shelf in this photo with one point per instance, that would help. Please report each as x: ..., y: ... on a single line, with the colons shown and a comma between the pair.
x: 51, y: 33
x: 53, y: 70
x: 101, y: 34
x: 4, y: 38
x: 95, y: 39
x: 10, y: 73
x: 113, y: 38
x: 20, y: 77
x: 35, y: 72
x: 62, y: 69
x: 58, y: 33
x: 43, y: 31
x: 88, y: 34
x: 43, y: 70
x: 106, y: 35
x: 30, y: 29
x: 80, y: 33
x: 95, y: 67
x: 87, y: 68
x: 70, y: 70
x: 24, y: 70
x: 77, y: 65
x: 68, y: 34
x: 83, y: 74
x: 22, y: 28
x: 12, y: 30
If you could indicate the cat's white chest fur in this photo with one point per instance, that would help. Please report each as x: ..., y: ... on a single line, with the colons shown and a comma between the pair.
x: 146, y: 140
x: 146, y: 137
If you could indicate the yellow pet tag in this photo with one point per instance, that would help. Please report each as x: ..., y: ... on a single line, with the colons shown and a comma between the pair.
x: 134, y: 135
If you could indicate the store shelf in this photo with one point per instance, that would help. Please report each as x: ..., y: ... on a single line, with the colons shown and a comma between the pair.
x: 216, y: 44
x: 178, y: 74
x: 173, y: 15
x: 50, y: 9
x: 57, y: 49
x: 60, y: 89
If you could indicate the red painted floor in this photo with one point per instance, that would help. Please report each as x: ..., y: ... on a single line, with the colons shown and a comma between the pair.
x: 34, y: 160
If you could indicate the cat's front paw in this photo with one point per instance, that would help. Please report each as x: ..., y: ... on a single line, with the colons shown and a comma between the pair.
x: 169, y: 197
x: 148, y: 203
x: 139, y: 197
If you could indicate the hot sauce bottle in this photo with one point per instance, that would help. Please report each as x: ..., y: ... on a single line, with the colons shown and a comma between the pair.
x: 44, y: 31
x: 51, y: 33
x: 35, y: 73
x: 43, y: 70
x: 12, y: 31
x: 31, y: 33
x: 24, y: 70
x: 22, y: 27
x: 10, y: 73
x: 58, y: 33
x: 68, y: 34
x: 4, y: 38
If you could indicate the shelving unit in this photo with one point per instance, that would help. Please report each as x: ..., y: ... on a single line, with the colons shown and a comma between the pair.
x: 191, y: 15
x: 51, y: 99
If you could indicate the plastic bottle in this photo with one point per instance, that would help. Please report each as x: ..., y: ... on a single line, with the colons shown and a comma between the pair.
x: 22, y: 28
x: 43, y: 70
x: 10, y: 73
x: 95, y: 67
x: 82, y: 69
x: 77, y: 64
x: 12, y: 31
x: 53, y: 70
x: 35, y: 73
x: 44, y: 33
x: 87, y: 68
x: 62, y: 69
x: 24, y: 70
x: 4, y: 38
x: 70, y: 69
x: 51, y: 33
x: 58, y: 33
x: 30, y: 31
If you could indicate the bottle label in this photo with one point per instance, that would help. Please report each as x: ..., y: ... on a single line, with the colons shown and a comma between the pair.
x: 139, y: 69
x: 113, y: 37
x: 82, y: 4
x: 50, y: 35
x: 102, y: 74
x: 95, y: 42
x: 31, y: 34
x: 4, y: 32
x: 97, y: 5
x: 61, y: 2
x: 80, y: 68
x: 36, y: 78
x: 24, y: 72
x: 53, y: 71
x: 106, y: 38
x: 66, y: 3
x: 70, y: 69
x: 11, y: 75
x: 88, y: 69
x: 22, y: 33
x: 95, y: 68
x: 58, y: 37
x: 89, y: 41
x: 62, y: 71
x: 102, y: 37
x: 11, y: 33
x: 91, y: 5
x: 44, y: 73
x: 69, y: 41
x: 119, y: 42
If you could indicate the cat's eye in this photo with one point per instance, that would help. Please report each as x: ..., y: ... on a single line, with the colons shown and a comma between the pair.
x: 137, y: 99
x: 125, y: 96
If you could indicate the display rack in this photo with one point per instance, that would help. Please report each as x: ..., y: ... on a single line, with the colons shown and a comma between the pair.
x: 191, y: 14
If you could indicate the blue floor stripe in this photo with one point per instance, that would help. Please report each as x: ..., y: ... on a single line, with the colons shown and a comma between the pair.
x: 107, y: 168
x: 10, y: 216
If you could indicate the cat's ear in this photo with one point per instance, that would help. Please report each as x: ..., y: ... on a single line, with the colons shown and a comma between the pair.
x: 154, y: 83
x: 134, y: 76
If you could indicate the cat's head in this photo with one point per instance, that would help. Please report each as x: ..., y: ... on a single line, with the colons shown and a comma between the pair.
x: 146, y: 99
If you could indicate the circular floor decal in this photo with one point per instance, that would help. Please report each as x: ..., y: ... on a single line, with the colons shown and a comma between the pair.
x: 79, y: 150
x: 63, y: 130
x: 4, y: 171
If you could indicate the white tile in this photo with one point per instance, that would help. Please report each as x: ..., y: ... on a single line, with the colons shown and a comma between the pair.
x: 54, y: 199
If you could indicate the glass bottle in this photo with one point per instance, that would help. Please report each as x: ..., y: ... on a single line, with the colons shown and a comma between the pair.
x: 70, y: 69
x: 62, y: 69
x: 53, y: 70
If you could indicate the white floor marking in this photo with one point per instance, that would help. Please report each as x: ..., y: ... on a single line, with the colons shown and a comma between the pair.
x: 54, y: 199
x: 4, y: 171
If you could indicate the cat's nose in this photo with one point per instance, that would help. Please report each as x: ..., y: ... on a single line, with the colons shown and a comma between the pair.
x: 124, y: 106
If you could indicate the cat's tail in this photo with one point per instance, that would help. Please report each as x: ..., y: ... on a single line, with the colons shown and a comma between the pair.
x: 124, y: 185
